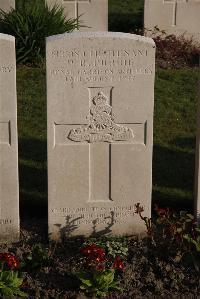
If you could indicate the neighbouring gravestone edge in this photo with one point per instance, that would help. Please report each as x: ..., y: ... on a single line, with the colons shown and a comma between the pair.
x: 100, y: 34
x: 10, y: 219
x: 7, y: 37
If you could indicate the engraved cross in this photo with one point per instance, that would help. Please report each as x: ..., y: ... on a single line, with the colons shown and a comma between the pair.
x: 76, y: 5
x: 175, y: 8
x: 5, y: 136
x: 103, y: 135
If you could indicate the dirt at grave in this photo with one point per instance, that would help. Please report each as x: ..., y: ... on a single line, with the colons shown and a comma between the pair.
x: 145, y: 276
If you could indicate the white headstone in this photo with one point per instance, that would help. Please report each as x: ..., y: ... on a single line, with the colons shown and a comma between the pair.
x: 9, y: 189
x: 100, y: 95
x: 7, y: 5
x: 197, y: 163
x: 93, y: 13
x: 173, y: 16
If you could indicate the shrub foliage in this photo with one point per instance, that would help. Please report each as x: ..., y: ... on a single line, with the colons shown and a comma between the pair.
x: 175, y: 51
x: 30, y: 23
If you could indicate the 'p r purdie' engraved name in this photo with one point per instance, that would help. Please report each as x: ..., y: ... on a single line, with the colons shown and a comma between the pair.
x: 83, y: 63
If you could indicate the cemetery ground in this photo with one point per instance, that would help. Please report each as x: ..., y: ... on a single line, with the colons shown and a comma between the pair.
x: 153, y: 267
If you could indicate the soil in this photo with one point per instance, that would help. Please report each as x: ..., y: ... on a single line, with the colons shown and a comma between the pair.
x: 145, y: 275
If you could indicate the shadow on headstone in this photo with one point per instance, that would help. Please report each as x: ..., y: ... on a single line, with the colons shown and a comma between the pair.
x: 104, y: 231
x: 67, y: 230
x: 70, y: 227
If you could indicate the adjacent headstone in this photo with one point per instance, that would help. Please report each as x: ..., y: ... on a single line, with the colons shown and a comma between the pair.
x: 197, y: 163
x: 173, y: 16
x: 9, y: 189
x: 7, y: 5
x: 93, y: 13
x: 100, y: 96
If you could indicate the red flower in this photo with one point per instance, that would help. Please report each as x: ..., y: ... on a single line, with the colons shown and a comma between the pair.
x: 100, y: 267
x: 94, y: 253
x: 118, y: 264
x: 162, y: 212
x: 10, y: 260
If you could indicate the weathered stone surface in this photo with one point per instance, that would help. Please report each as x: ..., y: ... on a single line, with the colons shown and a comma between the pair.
x: 93, y: 13
x: 173, y: 16
x: 100, y: 95
x: 197, y: 164
x: 9, y: 190
x: 6, y: 5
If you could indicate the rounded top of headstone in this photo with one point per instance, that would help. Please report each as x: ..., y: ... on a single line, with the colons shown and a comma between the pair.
x: 7, y: 37
x: 102, y: 35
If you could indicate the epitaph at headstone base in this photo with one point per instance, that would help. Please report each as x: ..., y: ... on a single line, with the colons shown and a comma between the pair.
x: 100, y: 94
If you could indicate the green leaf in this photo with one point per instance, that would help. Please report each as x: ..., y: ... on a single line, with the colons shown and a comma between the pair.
x: 85, y: 278
x: 10, y: 284
x: 190, y: 216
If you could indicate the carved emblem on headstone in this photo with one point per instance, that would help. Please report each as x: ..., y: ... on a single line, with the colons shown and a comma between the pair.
x: 102, y: 127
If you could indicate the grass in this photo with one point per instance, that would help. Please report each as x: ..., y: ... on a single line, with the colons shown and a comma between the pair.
x: 32, y: 140
x: 174, y: 138
x: 126, y: 15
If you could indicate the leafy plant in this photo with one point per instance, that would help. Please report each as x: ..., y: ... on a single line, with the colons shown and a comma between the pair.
x: 172, y: 234
x: 100, y: 271
x: 37, y: 258
x: 30, y: 23
x: 116, y: 248
x: 113, y: 248
x: 175, y: 51
x: 194, y: 241
x: 98, y: 282
x: 10, y: 282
